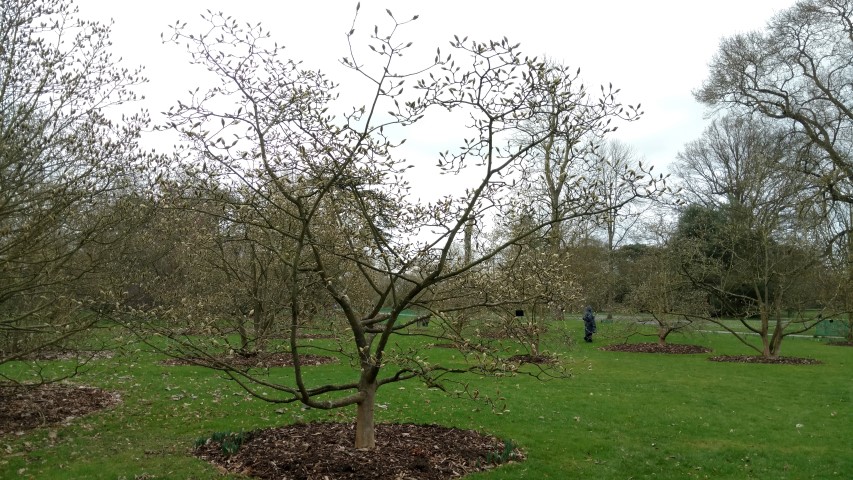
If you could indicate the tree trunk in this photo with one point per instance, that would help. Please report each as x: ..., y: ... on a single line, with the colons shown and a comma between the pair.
x: 244, y: 335
x: 662, y: 334
x: 776, y: 341
x: 365, y: 437
x: 259, y: 324
x: 767, y: 350
x: 765, y: 343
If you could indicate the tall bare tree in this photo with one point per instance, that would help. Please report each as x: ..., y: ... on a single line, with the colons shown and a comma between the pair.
x: 797, y: 70
x: 612, y: 167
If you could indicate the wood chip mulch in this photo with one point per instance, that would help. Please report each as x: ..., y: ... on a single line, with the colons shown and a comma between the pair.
x: 533, y: 359
x: 25, y: 408
x: 317, y: 451
x: 49, y: 355
x: 760, y: 359
x: 673, y: 348
x: 261, y: 360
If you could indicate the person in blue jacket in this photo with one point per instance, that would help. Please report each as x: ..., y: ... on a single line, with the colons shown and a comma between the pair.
x: 588, y: 324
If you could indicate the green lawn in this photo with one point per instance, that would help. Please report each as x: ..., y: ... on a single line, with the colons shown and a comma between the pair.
x: 620, y: 416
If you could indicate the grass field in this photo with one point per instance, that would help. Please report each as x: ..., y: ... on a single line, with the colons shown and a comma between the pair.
x: 620, y: 416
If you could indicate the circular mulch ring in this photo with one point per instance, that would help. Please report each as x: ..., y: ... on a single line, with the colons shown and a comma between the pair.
x: 25, y: 408
x: 261, y: 360
x: 534, y: 359
x: 673, y: 348
x: 325, y: 450
x: 760, y: 359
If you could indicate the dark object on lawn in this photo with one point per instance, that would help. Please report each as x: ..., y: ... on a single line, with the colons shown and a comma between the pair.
x: 588, y: 324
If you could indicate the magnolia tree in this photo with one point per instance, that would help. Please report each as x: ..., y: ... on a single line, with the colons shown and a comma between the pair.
x: 65, y: 169
x: 330, y: 194
x: 673, y: 302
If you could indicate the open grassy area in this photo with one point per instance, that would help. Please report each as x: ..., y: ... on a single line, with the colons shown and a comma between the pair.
x: 620, y: 416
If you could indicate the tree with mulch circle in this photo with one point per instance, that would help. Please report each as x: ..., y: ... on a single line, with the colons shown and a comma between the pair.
x: 328, y: 197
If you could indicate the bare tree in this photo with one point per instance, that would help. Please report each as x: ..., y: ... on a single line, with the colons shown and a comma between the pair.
x: 613, y: 166
x: 746, y: 228
x: 798, y: 71
x: 582, y: 167
x: 656, y: 285
x: 335, y: 196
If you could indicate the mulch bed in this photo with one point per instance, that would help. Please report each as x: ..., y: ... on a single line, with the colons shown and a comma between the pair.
x: 673, y: 348
x: 49, y: 355
x: 261, y: 360
x: 760, y: 359
x: 840, y: 344
x: 534, y: 359
x: 25, y: 408
x: 318, y: 451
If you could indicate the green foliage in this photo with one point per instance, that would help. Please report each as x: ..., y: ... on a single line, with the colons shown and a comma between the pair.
x: 503, y: 456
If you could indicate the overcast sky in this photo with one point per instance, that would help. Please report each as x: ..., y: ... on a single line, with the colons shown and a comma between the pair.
x: 656, y: 51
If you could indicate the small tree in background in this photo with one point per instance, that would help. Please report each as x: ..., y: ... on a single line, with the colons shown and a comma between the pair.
x: 672, y: 300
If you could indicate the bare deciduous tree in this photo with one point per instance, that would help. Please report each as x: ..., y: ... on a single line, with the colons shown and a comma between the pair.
x: 333, y: 194
x: 747, y: 228
x: 797, y: 70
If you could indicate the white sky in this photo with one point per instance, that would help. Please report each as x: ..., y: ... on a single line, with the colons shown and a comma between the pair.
x: 656, y: 51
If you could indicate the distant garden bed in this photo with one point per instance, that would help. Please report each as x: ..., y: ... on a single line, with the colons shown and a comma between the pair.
x: 760, y: 359
x: 672, y: 348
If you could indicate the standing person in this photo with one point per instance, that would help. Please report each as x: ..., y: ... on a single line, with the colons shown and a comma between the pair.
x: 588, y: 324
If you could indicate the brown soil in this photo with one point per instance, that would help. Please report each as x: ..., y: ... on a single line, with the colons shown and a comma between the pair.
x: 325, y: 451
x: 673, y: 348
x: 25, y: 408
x: 261, y: 360
x: 48, y: 355
x: 760, y: 359
x: 841, y: 344
x: 313, y: 336
x: 534, y: 359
